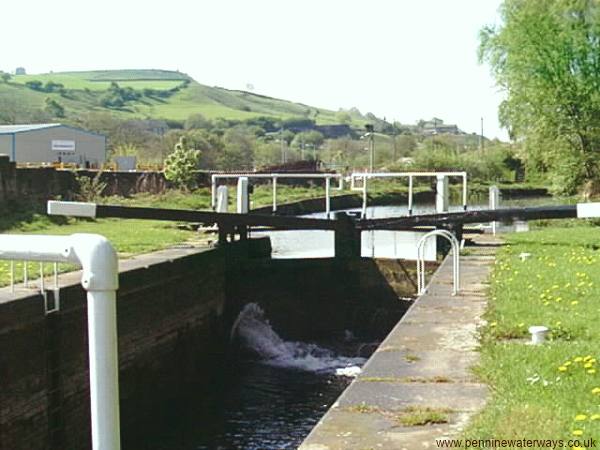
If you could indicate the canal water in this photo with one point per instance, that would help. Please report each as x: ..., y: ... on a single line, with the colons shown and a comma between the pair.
x: 269, y: 395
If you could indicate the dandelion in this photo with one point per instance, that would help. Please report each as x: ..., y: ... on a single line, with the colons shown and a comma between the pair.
x: 577, y: 432
x: 595, y: 417
x: 580, y: 417
x: 562, y: 369
x: 578, y: 359
x: 591, y: 371
x: 596, y: 390
x: 493, y: 324
x: 588, y: 365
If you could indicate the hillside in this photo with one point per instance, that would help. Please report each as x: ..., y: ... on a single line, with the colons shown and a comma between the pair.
x: 157, y: 94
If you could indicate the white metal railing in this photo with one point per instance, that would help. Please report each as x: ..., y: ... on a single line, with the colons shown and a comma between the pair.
x: 100, y: 278
x: 365, y: 176
x: 455, y: 260
x: 273, y: 177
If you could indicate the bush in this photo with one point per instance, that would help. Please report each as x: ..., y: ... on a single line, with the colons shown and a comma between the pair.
x: 181, y: 165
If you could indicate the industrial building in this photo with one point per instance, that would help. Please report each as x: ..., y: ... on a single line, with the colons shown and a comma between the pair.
x: 52, y: 143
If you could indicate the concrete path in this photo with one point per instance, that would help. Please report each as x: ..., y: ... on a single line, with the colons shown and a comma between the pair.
x: 420, y: 373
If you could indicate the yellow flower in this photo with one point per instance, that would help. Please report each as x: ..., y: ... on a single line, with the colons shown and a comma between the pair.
x: 591, y: 371
x: 595, y: 417
x: 493, y: 324
x: 578, y: 359
x: 588, y: 365
x: 562, y: 369
x: 568, y: 363
x: 574, y: 302
x: 577, y: 432
x: 596, y: 390
x: 580, y: 417
x: 587, y: 358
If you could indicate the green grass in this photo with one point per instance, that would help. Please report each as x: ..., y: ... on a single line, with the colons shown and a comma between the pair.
x: 550, y: 391
x: 414, y: 416
x: 86, y: 88
x: 129, y: 237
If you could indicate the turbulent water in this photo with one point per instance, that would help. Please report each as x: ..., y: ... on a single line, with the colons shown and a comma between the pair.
x: 257, y: 335
x: 268, y: 397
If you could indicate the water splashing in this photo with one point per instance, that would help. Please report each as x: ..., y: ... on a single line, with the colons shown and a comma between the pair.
x: 256, y: 334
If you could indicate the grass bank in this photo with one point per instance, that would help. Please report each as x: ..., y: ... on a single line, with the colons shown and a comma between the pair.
x: 550, y: 391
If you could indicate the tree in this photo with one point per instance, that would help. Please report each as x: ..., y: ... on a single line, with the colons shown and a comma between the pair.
x: 546, y: 58
x: 54, y: 108
x: 197, y: 121
x: 238, y: 151
x: 181, y: 165
x: 5, y: 76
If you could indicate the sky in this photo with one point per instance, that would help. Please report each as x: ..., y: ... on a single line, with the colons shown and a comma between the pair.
x: 399, y: 59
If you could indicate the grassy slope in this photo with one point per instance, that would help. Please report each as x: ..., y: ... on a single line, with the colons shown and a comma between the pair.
x: 213, y: 102
x: 550, y: 391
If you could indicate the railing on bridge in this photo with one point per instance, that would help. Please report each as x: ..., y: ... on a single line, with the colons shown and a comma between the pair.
x: 421, y: 287
x: 100, y: 278
x: 273, y: 177
x: 365, y: 176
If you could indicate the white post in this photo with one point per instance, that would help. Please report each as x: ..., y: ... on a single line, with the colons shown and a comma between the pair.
x: 242, y: 195
x: 465, y: 191
x: 222, y: 199
x: 364, y: 204
x: 274, y: 194
x: 410, y: 195
x: 494, y: 193
x: 213, y: 192
x: 102, y: 335
x: 327, y: 201
x: 100, y: 278
x: 441, y: 194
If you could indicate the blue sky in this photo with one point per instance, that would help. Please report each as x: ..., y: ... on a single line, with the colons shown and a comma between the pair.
x: 404, y: 60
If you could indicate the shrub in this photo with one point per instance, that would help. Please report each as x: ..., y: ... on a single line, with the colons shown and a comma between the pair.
x: 181, y: 165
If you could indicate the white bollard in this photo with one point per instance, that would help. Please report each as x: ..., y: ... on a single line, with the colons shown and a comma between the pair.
x: 222, y: 199
x: 538, y: 334
x: 494, y: 193
x: 243, y: 199
x: 442, y: 194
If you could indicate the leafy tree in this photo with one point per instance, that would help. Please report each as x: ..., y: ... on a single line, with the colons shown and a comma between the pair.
x: 181, y: 165
x: 54, y: 108
x: 238, y: 149
x: 197, y: 121
x: 311, y: 138
x: 5, y: 76
x: 36, y: 85
x: 546, y: 57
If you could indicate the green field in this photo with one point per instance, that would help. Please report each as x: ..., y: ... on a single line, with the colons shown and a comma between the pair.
x: 83, y: 91
x: 551, y: 391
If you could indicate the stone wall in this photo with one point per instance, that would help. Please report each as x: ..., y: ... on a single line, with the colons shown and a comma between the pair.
x: 38, y: 184
x: 168, y: 326
x: 175, y: 311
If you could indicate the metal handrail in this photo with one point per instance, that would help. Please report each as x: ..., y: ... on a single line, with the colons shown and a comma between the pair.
x: 274, y: 177
x: 410, y: 175
x: 455, y: 260
x: 100, y: 278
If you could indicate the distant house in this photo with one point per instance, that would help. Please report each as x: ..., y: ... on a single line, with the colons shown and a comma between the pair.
x: 20, y: 71
x: 437, y: 126
x: 52, y: 143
